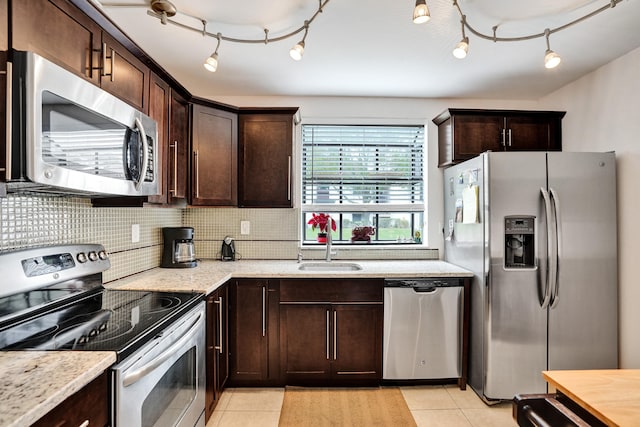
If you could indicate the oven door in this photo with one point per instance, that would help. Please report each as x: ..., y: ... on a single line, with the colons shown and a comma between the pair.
x: 163, y: 383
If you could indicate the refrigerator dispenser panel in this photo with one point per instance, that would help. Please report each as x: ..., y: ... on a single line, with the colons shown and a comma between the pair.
x: 519, y: 242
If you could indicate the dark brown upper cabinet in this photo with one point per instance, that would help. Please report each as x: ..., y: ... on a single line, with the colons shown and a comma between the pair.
x: 265, y: 157
x: 60, y: 32
x: 465, y: 133
x: 214, y: 158
x: 178, y: 156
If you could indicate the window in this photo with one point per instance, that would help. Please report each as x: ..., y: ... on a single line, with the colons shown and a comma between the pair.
x: 364, y: 176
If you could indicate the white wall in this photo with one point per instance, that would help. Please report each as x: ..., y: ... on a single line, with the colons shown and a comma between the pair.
x: 603, y: 114
x: 387, y: 111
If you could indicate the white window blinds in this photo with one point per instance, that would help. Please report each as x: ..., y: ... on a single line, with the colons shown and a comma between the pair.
x: 363, y: 165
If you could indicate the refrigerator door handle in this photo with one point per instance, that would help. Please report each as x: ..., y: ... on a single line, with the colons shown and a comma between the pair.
x: 555, y: 265
x: 548, y: 219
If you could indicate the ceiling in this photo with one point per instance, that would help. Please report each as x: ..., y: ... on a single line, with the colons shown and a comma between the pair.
x: 372, y: 47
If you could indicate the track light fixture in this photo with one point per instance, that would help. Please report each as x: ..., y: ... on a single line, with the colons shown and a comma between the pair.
x: 211, y: 63
x: 297, y: 50
x: 421, y: 12
x: 551, y: 59
x: 461, y: 49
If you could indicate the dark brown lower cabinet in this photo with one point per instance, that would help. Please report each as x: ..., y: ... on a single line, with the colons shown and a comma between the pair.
x: 331, y: 331
x: 217, y: 340
x: 254, y: 334
x: 331, y: 344
x: 88, y: 406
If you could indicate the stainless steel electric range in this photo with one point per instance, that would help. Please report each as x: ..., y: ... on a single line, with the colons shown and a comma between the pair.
x: 53, y: 298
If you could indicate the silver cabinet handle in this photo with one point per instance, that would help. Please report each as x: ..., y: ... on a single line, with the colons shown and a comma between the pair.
x: 112, y: 58
x: 174, y: 190
x: 289, y: 178
x: 145, y: 154
x: 549, y: 220
x: 220, y: 329
x: 503, y: 142
x: 335, y: 335
x: 509, y: 138
x: 328, y: 335
x: 138, y: 374
x: 264, y: 311
x: 196, y: 173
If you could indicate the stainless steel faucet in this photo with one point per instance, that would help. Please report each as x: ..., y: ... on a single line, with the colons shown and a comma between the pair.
x: 327, y: 256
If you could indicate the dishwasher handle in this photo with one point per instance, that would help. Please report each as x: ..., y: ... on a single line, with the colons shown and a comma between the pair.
x: 425, y: 289
x: 423, y: 283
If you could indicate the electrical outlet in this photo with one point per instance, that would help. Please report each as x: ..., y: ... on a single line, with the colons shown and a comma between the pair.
x: 135, y: 233
x: 245, y: 227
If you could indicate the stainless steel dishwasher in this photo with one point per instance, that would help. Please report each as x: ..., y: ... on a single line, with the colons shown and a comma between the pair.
x: 422, y: 328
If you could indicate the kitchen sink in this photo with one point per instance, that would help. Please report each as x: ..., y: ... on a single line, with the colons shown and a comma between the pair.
x: 330, y: 266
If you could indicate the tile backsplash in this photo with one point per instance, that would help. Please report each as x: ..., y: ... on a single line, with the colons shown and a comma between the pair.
x: 30, y: 221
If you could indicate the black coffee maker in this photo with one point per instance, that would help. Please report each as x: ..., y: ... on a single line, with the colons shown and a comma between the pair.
x: 178, y: 249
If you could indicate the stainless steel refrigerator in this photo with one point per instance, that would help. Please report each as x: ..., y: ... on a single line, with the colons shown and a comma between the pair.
x: 538, y: 229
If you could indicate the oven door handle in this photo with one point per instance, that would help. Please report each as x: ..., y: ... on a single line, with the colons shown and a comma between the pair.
x: 138, y: 374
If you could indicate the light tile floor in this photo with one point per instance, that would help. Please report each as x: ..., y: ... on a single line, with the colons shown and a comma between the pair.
x: 431, y: 406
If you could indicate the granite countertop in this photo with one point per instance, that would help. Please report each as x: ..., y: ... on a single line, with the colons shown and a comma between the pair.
x: 35, y: 382
x: 210, y: 274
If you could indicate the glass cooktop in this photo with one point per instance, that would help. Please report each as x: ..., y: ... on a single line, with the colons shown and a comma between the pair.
x: 103, y: 319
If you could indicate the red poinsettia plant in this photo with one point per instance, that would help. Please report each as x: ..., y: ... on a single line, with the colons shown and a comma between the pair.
x: 321, y: 221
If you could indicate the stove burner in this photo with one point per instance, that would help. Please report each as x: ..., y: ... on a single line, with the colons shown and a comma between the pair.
x: 165, y: 303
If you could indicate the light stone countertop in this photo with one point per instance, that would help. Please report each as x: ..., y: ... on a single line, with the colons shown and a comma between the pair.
x: 211, y: 274
x: 33, y: 383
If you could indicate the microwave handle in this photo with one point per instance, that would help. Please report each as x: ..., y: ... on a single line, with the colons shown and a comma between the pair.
x: 145, y: 154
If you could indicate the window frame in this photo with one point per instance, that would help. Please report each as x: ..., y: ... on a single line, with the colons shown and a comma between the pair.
x: 416, y: 211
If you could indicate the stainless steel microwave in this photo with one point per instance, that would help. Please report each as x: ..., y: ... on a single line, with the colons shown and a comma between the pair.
x: 68, y: 136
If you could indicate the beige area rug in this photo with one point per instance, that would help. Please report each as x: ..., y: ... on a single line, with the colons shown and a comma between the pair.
x: 344, y: 407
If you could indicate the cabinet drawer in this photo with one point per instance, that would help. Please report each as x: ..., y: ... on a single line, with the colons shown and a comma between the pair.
x: 331, y: 290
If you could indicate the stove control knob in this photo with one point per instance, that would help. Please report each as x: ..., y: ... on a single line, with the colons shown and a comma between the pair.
x: 81, y: 257
x: 93, y: 256
x: 102, y: 255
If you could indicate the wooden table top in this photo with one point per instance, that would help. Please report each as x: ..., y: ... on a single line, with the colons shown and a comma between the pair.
x: 612, y: 395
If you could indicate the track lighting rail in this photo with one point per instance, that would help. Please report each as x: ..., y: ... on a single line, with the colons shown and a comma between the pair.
x: 264, y: 40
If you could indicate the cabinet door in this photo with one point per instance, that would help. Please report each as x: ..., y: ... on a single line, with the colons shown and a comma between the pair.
x: 249, y: 326
x: 217, y: 361
x: 59, y: 32
x: 211, y: 397
x: 533, y: 133
x: 357, y: 342
x: 88, y: 406
x: 305, y: 343
x: 222, y: 338
x: 474, y: 134
x: 265, y: 177
x: 123, y: 74
x: 178, y: 149
x: 159, y: 93
x: 215, y: 157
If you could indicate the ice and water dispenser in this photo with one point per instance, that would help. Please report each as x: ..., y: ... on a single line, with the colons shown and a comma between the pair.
x: 519, y: 242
